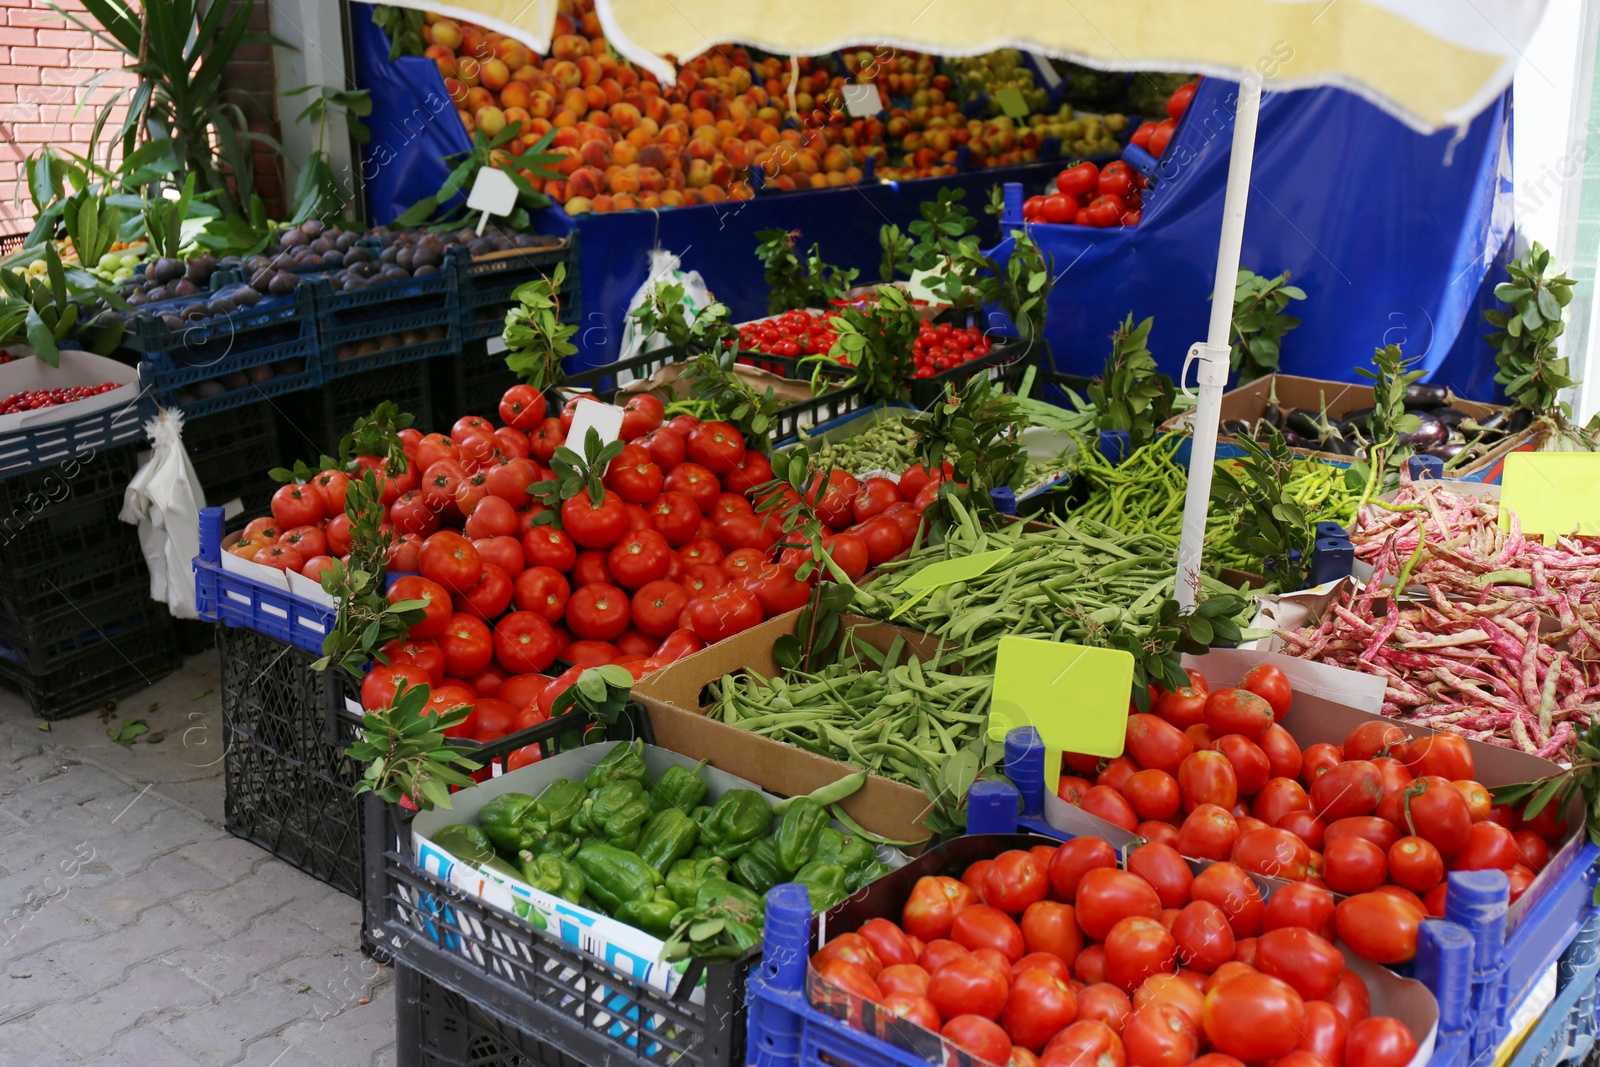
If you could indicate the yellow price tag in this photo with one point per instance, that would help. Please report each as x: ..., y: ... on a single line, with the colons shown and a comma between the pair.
x: 1074, y: 695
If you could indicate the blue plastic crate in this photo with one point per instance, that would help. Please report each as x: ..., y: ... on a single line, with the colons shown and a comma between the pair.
x: 237, y: 600
x: 76, y: 439
x: 485, y: 284
x: 384, y: 313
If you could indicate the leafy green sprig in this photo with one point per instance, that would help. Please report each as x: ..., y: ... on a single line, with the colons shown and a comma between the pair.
x: 878, y: 343
x: 1132, y: 394
x: 465, y: 166
x: 979, y: 431
x: 793, y: 284
x: 1530, y: 369
x: 1259, y: 323
x: 378, y: 434
x: 1269, y: 523
x: 575, y: 475
x: 536, y: 338
x: 407, y: 753
x: 1582, y: 778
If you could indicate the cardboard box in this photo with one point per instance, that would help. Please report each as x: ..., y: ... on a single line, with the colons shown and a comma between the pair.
x: 624, y: 947
x: 666, y: 384
x: 672, y: 695
x: 1249, y: 402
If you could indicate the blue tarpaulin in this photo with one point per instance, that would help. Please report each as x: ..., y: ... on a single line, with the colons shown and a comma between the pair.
x: 1397, y: 238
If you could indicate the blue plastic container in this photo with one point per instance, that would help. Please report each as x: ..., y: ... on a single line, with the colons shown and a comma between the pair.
x: 427, y: 307
x: 237, y: 600
x: 40, y: 447
x: 484, y: 284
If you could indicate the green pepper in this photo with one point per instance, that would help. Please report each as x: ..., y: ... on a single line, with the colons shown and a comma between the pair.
x: 511, y: 821
x: 736, y: 822
x: 652, y: 914
x: 758, y: 868
x: 848, y: 852
x: 683, y: 880
x: 551, y: 874
x: 678, y: 787
x: 561, y: 802
x: 624, y: 828
x: 555, y: 843
x: 469, y: 844
x: 825, y: 882
x: 623, y: 763
x: 699, y: 814
x: 613, y: 876
x: 865, y: 875
x: 603, y: 803
x: 799, y: 828
x: 669, y: 836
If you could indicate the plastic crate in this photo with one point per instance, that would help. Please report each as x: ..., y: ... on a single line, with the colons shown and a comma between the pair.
x: 232, y: 453
x: 42, y: 640
x: 240, y: 601
x: 270, y: 332
x: 287, y: 789
x: 485, y: 284
x: 1565, y: 1031
x: 42, y: 449
x: 438, y: 1027
x: 311, y: 424
x: 1006, y: 363
x: 144, y: 332
x: 385, y: 313
x: 107, y: 670
x: 78, y: 575
x: 64, y: 510
x: 531, y: 982
x: 471, y: 383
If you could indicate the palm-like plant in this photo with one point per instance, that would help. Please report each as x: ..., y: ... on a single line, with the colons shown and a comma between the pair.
x: 178, y: 51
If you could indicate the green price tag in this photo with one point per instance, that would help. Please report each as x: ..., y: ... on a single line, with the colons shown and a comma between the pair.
x: 948, y: 572
x: 1074, y: 695
x: 1011, y: 102
x: 1553, y: 493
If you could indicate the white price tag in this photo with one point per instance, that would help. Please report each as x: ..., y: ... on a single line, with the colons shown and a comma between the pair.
x: 861, y: 101
x: 495, y: 345
x: 1047, y: 70
x: 606, y: 419
x: 493, y: 193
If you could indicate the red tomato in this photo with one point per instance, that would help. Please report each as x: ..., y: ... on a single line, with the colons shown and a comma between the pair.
x: 850, y: 948
x: 436, y: 603
x: 1154, y: 795
x: 1372, y: 739
x: 594, y: 525
x: 1161, y: 136
x: 1351, y: 999
x: 913, y: 1007
x: 450, y: 560
x: 1305, y: 960
x: 1532, y: 850
x: 1014, y: 881
x: 503, y: 552
x: 1164, y: 868
x: 1207, y: 778
x: 889, y: 943
x: 1379, y: 1041
x: 1300, y: 905
x: 1204, y: 939
x: 1208, y: 832
x: 1057, y: 209
x: 979, y: 1036
x: 722, y: 614
x: 1436, y: 810
x: 676, y: 515
x: 931, y: 908
x: 1038, y: 1007
x: 1283, y: 753
x: 1270, y: 684
x: 590, y: 653
x: 916, y: 478
x: 1117, y: 179
x: 1137, y: 948
x: 985, y: 926
x: 1052, y: 928
x: 1183, y: 708
x: 1350, y: 789
x: 1254, y: 1017
x: 1278, y: 798
x: 1237, y: 711
x: 524, y: 642
x: 853, y: 978
x: 1080, y: 180
x: 378, y: 687
x: 1490, y: 846
x: 1228, y: 887
x: 490, y: 597
x: 1273, y: 852
x: 1076, y: 858
x: 1106, y: 895
x: 906, y: 978
x: 1157, y: 744
x: 1326, y: 1032
x: 1380, y: 832
x: 642, y: 414
x: 1378, y: 927
x: 716, y: 446
x: 873, y: 498
x: 1106, y: 803
x: 755, y: 469
x: 636, y: 483
x: 599, y: 612
x: 1159, y: 1035
x: 968, y: 986
x: 298, y: 505
x: 466, y: 644
x: 666, y: 447
x: 656, y: 608
x: 639, y: 558
x: 542, y: 590
x: 1251, y: 768
x: 1086, y: 1043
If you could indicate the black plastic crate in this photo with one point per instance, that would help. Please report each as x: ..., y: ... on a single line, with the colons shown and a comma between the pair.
x: 107, y: 670
x: 471, y: 383
x: 287, y: 787
x: 76, y: 574
x: 1005, y: 364
x: 97, y: 474
x: 386, y: 325
x: 43, y: 639
x: 311, y: 424
x: 525, y: 981
x: 438, y: 1027
x: 232, y: 453
x: 195, y: 635
x: 485, y: 284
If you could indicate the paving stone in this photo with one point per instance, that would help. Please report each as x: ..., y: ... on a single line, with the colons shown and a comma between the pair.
x: 275, y: 1052
x: 74, y: 1028
x: 148, y: 989
x: 227, y: 857
x: 118, y: 902
x: 169, y: 830
x: 222, y: 1036
x: 231, y: 910
x: 156, y: 934
x: 23, y: 1043
x: 25, y: 985
x: 37, y: 803
x: 143, y: 1046
x: 20, y: 936
x: 335, y: 915
x: 226, y: 967
x: 337, y: 982
x: 37, y: 766
x: 351, y: 1037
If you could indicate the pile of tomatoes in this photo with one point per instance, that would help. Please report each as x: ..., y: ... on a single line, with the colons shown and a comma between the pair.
x: 1087, y: 195
x: 49, y: 398
x: 1055, y: 957
x: 800, y: 333
x: 1215, y: 776
x: 674, y: 556
x: 1154, y: 137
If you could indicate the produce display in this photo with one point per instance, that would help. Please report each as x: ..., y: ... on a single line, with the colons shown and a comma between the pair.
x: 1213, y: 775
x: 1058, y: 956
x: 937, y: 348
x: 1502, y: 640
x: 1087, y: 195
x: 49, y: 398
x: 650, y: 854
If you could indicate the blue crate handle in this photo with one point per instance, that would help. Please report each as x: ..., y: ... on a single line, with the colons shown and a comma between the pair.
x: 1332, y: 558
x: 1426, y: 467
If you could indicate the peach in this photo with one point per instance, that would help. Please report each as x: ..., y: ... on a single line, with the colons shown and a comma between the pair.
x: 819, y: 181
x: 713, y: 194
x: 578, y: 205
x: 536, y: 181
x: 515, y: 95
x: 466, y: 120
x: 595, y: 153
x: 569, y: 46
x: 564, y: 23
x: 494, y: 74
x: 469, y: 70
x: 603, y: 203
x: 569, y: 160
x: 600, y: 120
x: 443, y: 58
x: 566, y: 137
x: 651, y: 180
x: 518, y: 115
x: 624, y: 152
x: 852, y: 175
x: 721, y: 173
x: 537, y: 128
x: 674, y: 134
x: 529, y: 74
x: 613, y: 90
x: 699, y: 111
x: 590, y: 70
x: 734, y: 151
x: 623, y: 182
x: 566, y: 74
x: 679, y: 112
x: 575, y: 101
x: 446, y: 32
x: 649, y: 199
x: 653, y: 155
x: 741, y: 191
x: 698, y: 174
x: 624, y: 116
x: 457, y: 90
x: 655, y: 109
x: 478, y: 98
x: 699, y: 149
x: 691, y: 197
x: 596, y: 97
x: 638, y: 137
x: 541, y: 105
x: 836, y: 158
x: 671, y: 198
x: 585, y: 181
x: 675, y: 178
x: 625, y: 201
x: 649, y: 126
x: 473, y: 42
x: 783, y: 182
x: 556, y: 189
x: 591, y: 24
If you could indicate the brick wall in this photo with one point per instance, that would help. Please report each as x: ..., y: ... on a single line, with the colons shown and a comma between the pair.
x: 43, y: 58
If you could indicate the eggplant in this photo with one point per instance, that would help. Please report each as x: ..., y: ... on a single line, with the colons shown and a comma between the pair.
x: 1294, y: 440
x: 1419, y: 395
x: 1359, y: 415
x: 1303, y: 424
x: 1351, y: 430
x: 1497, y: 421
x: 1236, y: 427
x: 1273, y: 416
x: 1337, y: 445
x: 1448, y: 451
x: 1521, y: 419
x: 1451, y: 417
x: 1430, y: 433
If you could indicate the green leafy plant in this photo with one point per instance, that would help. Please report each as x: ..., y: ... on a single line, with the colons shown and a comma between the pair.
x: 574, y: 475
x: 1269, y: 522
x: 979, y: 432
x: 1022, y: 287
x: 316, y: 191
x: 434, y: 212
x: 536, y: 338
x: 945, y: 225
x: 178, y: 49
x: 44, y: 309
x: 665, y: 313
x: 407, y: 754
x: 714, y: 383
x: 403, y: 25
x: 163, y: 221
x: 792, y: 284
x: 93, y: 224
x: 1556, y: 791
x: 1132, y: 395
x: 877, y: 343
x: 1158, y: 654
x: 897, y: 248
x: 1259, y: 322
x: 1531, y: 369
x: 797, y: 482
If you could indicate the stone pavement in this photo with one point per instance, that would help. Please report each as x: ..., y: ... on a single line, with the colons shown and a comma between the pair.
x: 135, y: 931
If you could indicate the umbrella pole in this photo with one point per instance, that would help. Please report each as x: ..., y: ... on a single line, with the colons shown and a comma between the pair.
x: 1212, y: 354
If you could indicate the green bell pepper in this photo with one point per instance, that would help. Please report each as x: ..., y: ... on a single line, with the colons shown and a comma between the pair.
x: 736, y: 822
x: 501, y: 866
x: 624, y: 827
x: 652, y: 914
x: 825, y: 882
x: 561, y: 801
x: 669, y: 836
x: 758, y: 867
x: 623, y: 763
x: 511, y: 821
x: 847, y: 851
x: 699, y: 814
x: 603, y: 803
x: 685, y: 877
x: 614, y: 877
x: 555, y: 843
x: 550, y: 874
x: 865, y: 875
x: 799, y: 829
x: 678, y: 787
x: 467, y: 843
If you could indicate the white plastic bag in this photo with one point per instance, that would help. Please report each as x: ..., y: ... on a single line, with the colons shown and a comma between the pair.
x: 663, y: 269
x: 164, y: 501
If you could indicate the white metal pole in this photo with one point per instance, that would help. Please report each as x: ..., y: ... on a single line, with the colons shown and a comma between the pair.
x: 1212, y: 353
